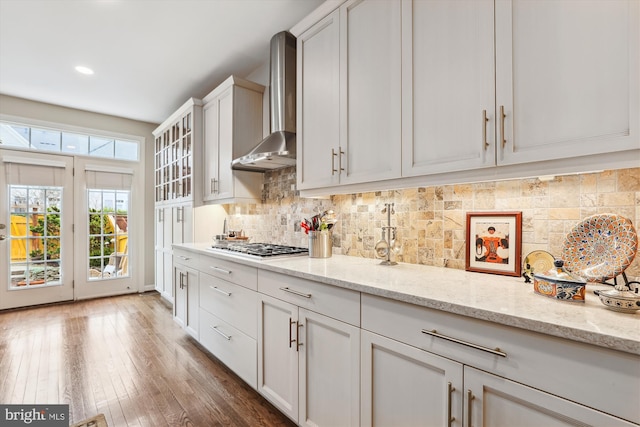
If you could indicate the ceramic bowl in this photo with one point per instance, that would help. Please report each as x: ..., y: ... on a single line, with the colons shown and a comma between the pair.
x: 623, y: 301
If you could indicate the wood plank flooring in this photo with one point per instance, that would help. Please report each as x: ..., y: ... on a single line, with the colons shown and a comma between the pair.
x: 125, y: 357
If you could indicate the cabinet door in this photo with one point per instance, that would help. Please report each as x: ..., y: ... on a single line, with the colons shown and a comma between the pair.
x: 318, y: 109
x: 180, y: 277
x: 278, y: 354
x: 495, y: 401
x: 448, y: 86
x: 210, y: 149
x: 159, y: 268
x: 406, y: 386
x: 225, y: 144
x: 567, y: 77
x: 370, y: 68
x: 329, y: 371
x: 181, y: 230
x: 192, y: 315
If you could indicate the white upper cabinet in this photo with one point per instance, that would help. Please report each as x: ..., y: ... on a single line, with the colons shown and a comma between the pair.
x: 370, y: 102
x: 567, y: 76
x: 232, y: 127
x: 349, y: 96
x: 439, y: 91
x: 318, y: 103
x: 448, y: 85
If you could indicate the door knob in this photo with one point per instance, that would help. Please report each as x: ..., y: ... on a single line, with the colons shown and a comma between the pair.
x: 2, y: 237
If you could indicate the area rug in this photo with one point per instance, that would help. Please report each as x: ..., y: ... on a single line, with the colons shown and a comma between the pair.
x: 97, y: 421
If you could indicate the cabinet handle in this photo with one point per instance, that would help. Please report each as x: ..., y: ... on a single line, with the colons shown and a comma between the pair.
x: 333, y: 161
x: 220, y: 270
x: 185, y: 258
x: 502, y: 116
x: 469, y: 406
x: 298, y: 326
x: 215, y: 288
x: 495, y: 351
x: 225, y: 336
x: 291, y: 340
x: 450, y: 389
x: 211, y: 187
x: 179, y: 214
x: 485, y: 143
x: 340, y: 159
x: 292, y: 291
x: 181, y: 280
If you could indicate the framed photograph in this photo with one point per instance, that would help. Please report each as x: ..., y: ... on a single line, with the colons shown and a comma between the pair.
x: 494, y: 242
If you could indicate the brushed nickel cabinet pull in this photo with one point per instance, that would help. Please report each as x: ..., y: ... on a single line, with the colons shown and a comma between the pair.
x: 184, y: 258
x: 181, y: 280
x: 485, y: 143
x: 292, y: 291
x: 495, y: 351
x: 222, y: 334
x: 502, y: 116
x: 340, y: 160
x: 450, y: 389
x: 469, y: 406
x: 299, y: 344
x: 333, y: 161
x: 211, y: 186
x: 220, y: 270
x: 215, y: 288
x: 291, y: 340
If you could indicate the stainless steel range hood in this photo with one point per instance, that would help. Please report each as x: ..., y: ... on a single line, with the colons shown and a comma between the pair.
x: 278, y: 150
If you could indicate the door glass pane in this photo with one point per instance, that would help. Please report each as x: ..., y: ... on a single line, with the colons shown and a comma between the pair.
x: 34, y: 236
x: 108, y: 234
x: 126, y: 150
x: 44, y: 139
x: 101, y: 147
x: 75, y: 143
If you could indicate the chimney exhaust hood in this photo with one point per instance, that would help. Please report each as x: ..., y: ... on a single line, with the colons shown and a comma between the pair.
x: 278, y: 150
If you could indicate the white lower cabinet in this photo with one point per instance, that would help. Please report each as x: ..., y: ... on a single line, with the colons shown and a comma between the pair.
x: 405, y: 386
x: 512, y: 377
x: 308, y: 363
x: 185, y: 291
x: 495, y: 401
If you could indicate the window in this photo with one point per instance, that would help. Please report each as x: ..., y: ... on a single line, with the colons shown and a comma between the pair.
x: 55, y: 140
x: 35, y: 235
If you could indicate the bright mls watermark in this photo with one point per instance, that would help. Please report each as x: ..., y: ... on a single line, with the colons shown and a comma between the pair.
x: 34, y: 415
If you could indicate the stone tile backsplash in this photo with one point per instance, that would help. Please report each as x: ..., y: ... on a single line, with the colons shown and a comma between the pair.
x: 431, y: 221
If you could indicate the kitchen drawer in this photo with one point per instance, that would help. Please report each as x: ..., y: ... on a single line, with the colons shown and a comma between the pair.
x: 339, y: 303
x: 230, y: 271
x: 235, y: 349
x: 233, y: 303
x: 548, y: 363
x: 186, y: 258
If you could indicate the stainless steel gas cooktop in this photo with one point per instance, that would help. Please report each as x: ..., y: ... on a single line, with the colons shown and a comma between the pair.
x: 259, y: 250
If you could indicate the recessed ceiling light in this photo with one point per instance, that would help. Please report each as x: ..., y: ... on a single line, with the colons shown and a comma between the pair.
x: 84, y: 70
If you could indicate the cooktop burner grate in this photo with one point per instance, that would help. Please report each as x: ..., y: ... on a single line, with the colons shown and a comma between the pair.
x: 261, y: 250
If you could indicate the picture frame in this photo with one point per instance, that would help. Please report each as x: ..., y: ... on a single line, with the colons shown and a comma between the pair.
x: 494, y: 243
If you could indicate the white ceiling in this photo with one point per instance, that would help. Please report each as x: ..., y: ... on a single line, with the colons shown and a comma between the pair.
x: 149, y: 56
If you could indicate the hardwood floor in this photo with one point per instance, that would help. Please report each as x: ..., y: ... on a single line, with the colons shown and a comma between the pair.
x: 125, y: 357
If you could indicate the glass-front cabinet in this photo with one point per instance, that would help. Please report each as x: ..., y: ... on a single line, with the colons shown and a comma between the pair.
x: 178, y: 145
x: 175, y: 141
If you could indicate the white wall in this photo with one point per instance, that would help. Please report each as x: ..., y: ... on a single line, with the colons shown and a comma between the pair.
x: 19, y: 107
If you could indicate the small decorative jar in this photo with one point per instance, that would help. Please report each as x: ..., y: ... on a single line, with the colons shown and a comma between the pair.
x: 557, y: 283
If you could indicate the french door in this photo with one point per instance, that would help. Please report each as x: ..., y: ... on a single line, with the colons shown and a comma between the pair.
x: 36, y: 228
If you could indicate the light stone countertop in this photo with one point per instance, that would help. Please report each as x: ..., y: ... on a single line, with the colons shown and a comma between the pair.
x: 502, y: 299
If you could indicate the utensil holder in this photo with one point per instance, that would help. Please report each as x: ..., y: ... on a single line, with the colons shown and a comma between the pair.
x: 320, y: 244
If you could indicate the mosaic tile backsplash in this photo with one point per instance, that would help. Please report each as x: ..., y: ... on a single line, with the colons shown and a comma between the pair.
x: 431, y: 221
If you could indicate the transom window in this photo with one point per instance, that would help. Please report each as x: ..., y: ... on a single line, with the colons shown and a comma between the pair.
x: 60, y: 141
